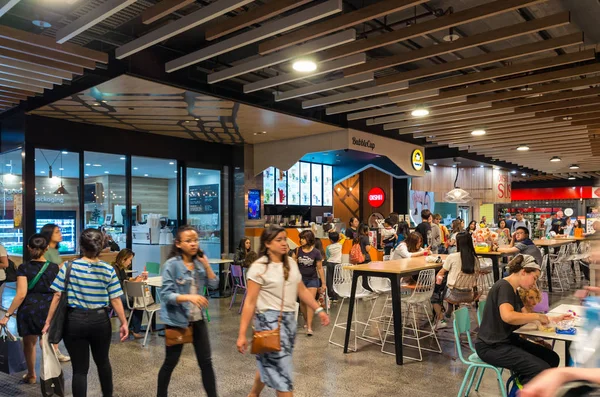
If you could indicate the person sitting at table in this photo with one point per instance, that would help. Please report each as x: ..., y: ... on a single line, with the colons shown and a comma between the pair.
x: 456, y: 281
x: 457, y: 227
x: 503, y: 234
x: 243, y: 249
x: 521, y: 244
x: 122, y: 264
x: 410, y: 247
x: 496, y: 343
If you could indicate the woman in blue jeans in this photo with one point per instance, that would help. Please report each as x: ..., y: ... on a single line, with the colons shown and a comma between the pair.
x: 310, y: 263
x: 184, y: 276
x: 93, y: 286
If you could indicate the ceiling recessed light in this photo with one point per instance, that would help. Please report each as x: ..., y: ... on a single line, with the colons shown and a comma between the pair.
x: 496, y: 168
x: 97, y: 165
x: 88, y: 164
x: 513, y: 172
x: 450, y: 38
x: 419, y: 112
x: 523, y: 148
x: 435, y: 164
x: 171, y: 163
x: 96, y: 104
x: 481, y: 166
x: 61, y: 169
x: 64, y: 152
x: 574, y: 167
x: 478, y: 132
x: 264, y: 132
x: 196, y: 119
x: 145, y: 174
x: 567, y: 118
x: 107, y: 172
x: 526, y: 89
x: 175, y: 171
x: 87, y: 174
x: 453, y: 165
x: 135, y: 168
x: 304, y: 65
x: 555, y: 159
x: 523, y: 174
x: 572, y: 178
x: 104, y: 101
x: 42, y: 172
x: 199, y: 173
x: 41, y: 24
x: 187, y: 121
x: 121, y: 158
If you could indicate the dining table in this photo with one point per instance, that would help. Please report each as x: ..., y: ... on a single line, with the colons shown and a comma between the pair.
x: 532, y: 328
x: 551, y: 243
x: 394, y: 270
x: 495, y: 257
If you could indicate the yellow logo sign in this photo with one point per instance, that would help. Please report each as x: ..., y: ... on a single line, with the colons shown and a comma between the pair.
x: 417, y: 159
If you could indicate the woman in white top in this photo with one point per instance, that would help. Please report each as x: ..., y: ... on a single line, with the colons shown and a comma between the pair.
x: 274, y: 284
x: 411, y: 247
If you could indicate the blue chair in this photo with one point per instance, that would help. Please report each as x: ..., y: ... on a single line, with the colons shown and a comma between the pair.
x: 462, y: 325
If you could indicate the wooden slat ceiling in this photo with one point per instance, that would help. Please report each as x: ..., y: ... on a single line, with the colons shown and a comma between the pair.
x: 520, y: 69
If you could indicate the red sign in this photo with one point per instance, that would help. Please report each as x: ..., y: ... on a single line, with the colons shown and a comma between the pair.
x: 376, y: 197
x: 504, y: 191
x: 556, y: 193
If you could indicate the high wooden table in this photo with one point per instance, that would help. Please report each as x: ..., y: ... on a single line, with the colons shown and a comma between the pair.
x: 393, y: 270
x: 551, y: 243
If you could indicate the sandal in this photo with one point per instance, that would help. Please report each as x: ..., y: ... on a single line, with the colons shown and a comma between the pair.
x: 29, y: 379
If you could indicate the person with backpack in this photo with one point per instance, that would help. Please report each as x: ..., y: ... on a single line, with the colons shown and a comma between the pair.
x: 520, y: 221
x: 33, y: 299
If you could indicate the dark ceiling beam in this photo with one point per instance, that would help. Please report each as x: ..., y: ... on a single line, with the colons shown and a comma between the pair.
x: 528, y: 16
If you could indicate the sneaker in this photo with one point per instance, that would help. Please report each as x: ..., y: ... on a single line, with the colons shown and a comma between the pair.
x: 137, y: 336
x: 62, y: 358
x: 441, y: 324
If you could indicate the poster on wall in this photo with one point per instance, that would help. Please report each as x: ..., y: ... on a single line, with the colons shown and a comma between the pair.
x: 253, y: 204
x: 327, y: 185
x: 280, y: 187
x: 269, y: 185
x: 294, y: 185
x: 420, y: 200
x: 204, y: 199
x: 304, y: 184
x: 317, y: 184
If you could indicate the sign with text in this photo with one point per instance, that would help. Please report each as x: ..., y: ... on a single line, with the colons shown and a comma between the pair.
x: 204, y: 199
x: 501, y: 186
x: 376, y: 197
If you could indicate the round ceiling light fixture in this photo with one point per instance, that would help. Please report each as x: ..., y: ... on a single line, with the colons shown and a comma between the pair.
x: 523, y: 148
x: 574, y: 166
x: 572, y: 178
x: 420, y: 112
x: 304, y: 65
x: 41, y: 24
x: 555, y: 159
x: 478, y: 132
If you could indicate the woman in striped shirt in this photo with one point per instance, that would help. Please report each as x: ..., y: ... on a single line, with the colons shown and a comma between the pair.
x: 93, y: 286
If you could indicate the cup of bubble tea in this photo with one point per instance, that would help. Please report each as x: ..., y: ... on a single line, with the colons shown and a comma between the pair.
x: 426, y: 252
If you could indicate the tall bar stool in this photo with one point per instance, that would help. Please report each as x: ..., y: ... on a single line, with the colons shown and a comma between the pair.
x: 419, y: 299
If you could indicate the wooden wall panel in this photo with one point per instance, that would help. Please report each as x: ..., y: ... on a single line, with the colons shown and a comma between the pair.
x: 371, y: 178
x: 346, y: 202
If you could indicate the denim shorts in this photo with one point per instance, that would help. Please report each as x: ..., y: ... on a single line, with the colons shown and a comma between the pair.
x: 311, y: 282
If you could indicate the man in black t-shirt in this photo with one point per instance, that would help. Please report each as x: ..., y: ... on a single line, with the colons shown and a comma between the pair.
x: 424, y: 228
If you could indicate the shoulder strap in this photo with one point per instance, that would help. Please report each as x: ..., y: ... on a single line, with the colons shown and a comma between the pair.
x: 67, y: 275
x: 282, y: 302
x: 37, y: 277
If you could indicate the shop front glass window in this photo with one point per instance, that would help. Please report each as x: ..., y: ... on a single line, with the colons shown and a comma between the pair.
x: 204, y: 208
x: 11, y: 196
x: 104, y: 195
x: 57, y: 195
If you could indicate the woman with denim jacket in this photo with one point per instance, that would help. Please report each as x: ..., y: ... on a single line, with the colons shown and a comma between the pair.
x: 184, y: 276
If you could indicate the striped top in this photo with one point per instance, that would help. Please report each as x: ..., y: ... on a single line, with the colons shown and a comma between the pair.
x: 91, y: 285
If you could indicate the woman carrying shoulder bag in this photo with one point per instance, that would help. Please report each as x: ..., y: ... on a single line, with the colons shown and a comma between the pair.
x: 184, y: 276
x: 274, y: 284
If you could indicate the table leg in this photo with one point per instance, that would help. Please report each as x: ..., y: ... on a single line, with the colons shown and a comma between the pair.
x: 397, y: 312
x: 568, y: 354
x: 549, y: 272
x: 152, y: 325
x: 496, y: 267
x: 355, y: 276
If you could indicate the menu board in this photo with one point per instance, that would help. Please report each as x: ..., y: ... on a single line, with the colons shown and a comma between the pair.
x: 269, y: 185
x: 204, y: 199
x: 253, y: 204
x: 327, y: 185
x: 317, y: 185
x: 304, y: 184
x: 294, y: 185
x: 280, y: 187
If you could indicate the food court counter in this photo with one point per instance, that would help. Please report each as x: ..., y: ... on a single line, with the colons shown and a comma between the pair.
x: 293, y: 234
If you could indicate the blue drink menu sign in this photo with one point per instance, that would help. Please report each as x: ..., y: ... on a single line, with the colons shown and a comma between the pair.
x: 317, y: 185
x: 253, y: 204
x: 280, y: 187
x: 204, y: 199
x: 293, y: 175
x: 304, y: 184
x: 327, y: 185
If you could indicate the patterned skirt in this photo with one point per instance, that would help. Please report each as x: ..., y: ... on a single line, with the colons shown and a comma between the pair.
x: 276, y: 368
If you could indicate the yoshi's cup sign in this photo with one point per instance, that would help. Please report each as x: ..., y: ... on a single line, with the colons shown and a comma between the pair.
x: 376, y: 197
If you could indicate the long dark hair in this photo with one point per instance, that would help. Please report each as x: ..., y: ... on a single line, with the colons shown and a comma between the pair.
x: 48, y: 230
x: 363, y: 230
x: 176, y: 251
x: 37, y: 245
x: 122, y: 257
x: 403, y: 229
x: 468, y: 258
x: 242, y: 247
x: 412, y: 241
x: 456, y: 226
x: 472, y: 223
x: 268, y: 235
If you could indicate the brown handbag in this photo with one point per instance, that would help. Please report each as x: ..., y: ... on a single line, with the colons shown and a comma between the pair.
x: 179, y: 336
x: 268, y: 341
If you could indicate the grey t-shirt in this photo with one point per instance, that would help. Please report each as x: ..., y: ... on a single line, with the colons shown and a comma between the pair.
x: 530, y: 249
x: 493, y: 329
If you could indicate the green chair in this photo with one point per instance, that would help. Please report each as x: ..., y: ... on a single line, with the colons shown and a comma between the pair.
x: 153, y: 268
x: 480, y: 311
x: 462, y: 325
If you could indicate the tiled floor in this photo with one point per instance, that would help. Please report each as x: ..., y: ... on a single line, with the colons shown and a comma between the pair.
x: 320, y: 369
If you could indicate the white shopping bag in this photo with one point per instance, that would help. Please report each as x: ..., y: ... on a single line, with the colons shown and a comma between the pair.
x: 51, y: 375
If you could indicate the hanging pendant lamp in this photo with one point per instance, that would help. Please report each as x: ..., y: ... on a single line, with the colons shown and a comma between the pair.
x: 61, y: 188
x: 457, y: 195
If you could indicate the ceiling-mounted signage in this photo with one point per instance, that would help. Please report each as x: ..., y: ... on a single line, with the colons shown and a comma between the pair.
x: 417, y: 159
x: 367, y: 143
x: 376, y: 197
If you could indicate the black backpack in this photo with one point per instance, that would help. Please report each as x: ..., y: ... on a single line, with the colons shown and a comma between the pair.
x: 11, y: 272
